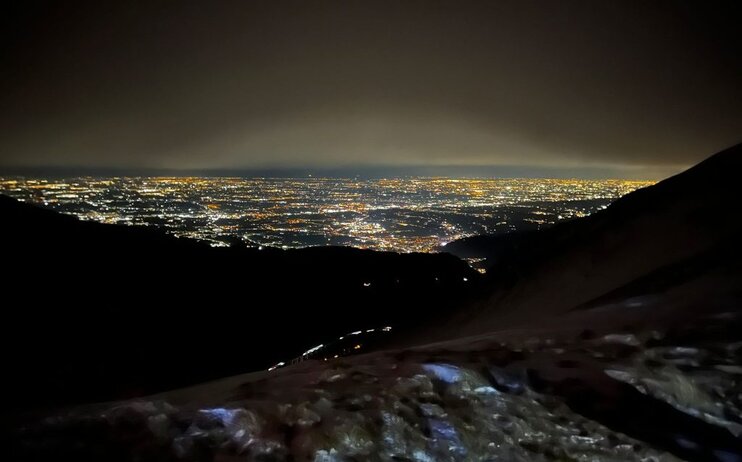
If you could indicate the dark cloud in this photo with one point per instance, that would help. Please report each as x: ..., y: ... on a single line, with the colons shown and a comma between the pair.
x: 181, y: 84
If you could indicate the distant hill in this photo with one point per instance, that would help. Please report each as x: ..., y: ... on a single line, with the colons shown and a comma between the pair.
x: 645, y: 242
x: 107, y: 311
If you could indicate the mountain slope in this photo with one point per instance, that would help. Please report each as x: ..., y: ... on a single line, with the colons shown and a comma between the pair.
x: 553, y: 271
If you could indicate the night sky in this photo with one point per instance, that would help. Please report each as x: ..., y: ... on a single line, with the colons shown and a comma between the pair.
x: 180, y: 84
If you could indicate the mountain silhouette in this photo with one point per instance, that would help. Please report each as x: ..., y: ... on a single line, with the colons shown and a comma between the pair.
x: 108, y: 311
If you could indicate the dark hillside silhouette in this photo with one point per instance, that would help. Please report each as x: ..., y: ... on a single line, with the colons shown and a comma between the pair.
x: 102, y: 311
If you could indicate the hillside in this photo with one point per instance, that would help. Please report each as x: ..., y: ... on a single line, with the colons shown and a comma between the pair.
x: 101, y: 308
x: 650, y: 233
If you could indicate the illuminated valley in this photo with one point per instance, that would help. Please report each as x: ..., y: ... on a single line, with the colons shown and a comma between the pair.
x: 403, y: 215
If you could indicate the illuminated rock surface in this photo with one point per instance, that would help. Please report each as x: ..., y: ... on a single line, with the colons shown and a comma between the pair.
x: 649, y: 396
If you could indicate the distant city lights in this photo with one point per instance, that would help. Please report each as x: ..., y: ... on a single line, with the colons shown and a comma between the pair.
x: 403, y: 215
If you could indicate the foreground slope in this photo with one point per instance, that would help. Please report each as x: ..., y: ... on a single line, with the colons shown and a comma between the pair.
x: 554, y: 394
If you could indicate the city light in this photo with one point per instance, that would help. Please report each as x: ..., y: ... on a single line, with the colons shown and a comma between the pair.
x: 403, y: 215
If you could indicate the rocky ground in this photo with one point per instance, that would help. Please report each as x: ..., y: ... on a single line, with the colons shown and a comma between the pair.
x: 648, y: 394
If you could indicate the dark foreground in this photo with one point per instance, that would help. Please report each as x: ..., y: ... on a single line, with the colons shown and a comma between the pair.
x: 556, y: 394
